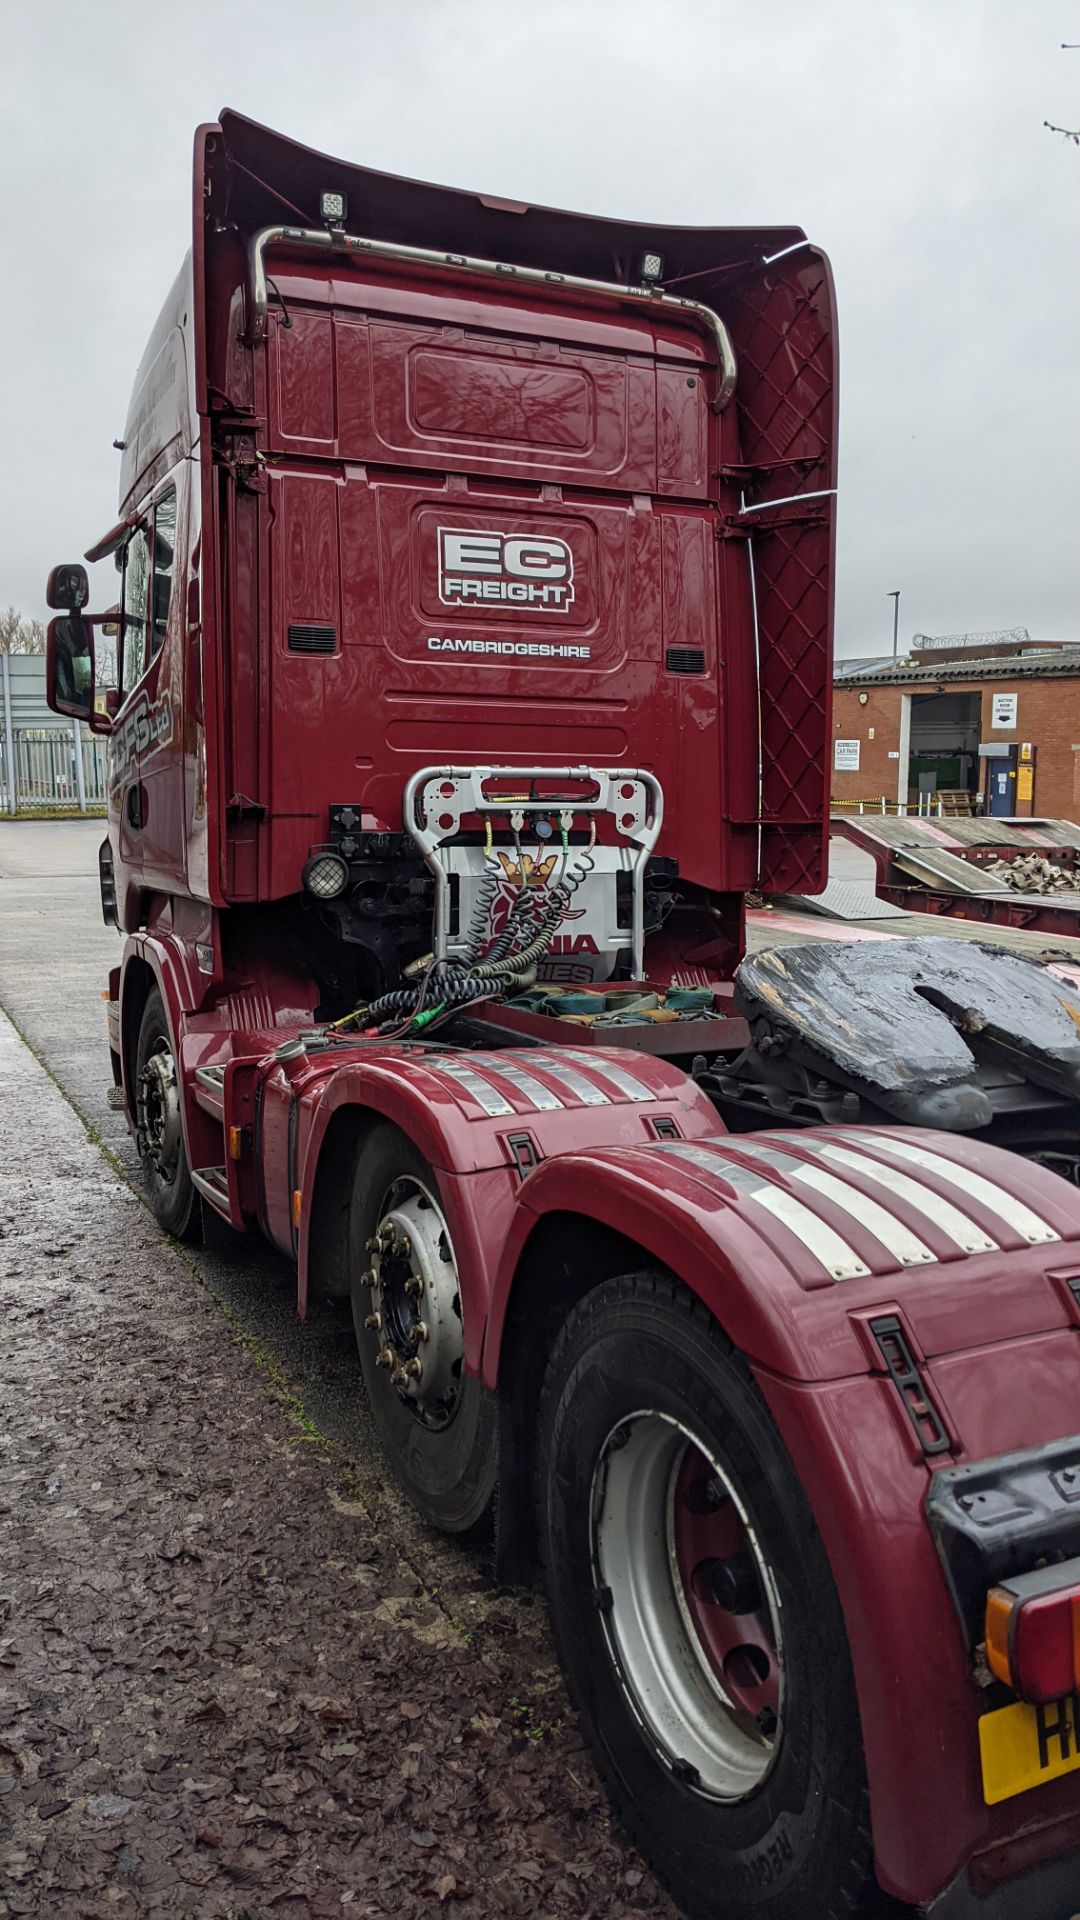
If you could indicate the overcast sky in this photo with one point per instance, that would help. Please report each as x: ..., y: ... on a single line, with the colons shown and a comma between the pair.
x: 906, y: 136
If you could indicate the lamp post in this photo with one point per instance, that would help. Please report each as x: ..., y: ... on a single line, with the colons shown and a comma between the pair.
x: 895, y: 598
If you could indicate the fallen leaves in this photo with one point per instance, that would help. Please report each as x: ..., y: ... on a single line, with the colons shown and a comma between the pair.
x: 205, y: 1710
x: 211, y: 1710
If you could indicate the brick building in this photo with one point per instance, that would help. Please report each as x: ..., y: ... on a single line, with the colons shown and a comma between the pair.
x: 1006, y: 728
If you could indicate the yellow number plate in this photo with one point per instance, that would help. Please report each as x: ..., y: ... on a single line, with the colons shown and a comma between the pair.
x: 1022, y: 1747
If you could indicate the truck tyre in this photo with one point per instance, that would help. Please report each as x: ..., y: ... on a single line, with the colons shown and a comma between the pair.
x: 436, y: 1422
x: 695, y: 1613
x: 159, y: 1132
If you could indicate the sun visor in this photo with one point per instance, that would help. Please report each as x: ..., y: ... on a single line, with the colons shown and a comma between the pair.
x: 113, y: 539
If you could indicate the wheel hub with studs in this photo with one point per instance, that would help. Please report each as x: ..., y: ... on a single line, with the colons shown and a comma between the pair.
x: 415, y: 1305
x: 158, y: 1110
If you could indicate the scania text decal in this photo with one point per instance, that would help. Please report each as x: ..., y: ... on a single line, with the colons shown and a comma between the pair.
x: 143, y: 730
x: 530, y: 572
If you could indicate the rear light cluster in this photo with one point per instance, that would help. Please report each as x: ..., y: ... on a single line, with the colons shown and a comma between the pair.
x: 1033, y: 1632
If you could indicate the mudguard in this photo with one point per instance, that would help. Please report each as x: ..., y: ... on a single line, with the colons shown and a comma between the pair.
x: 483, y: 1119
x: 211, y: 1019
x: 808, y: 1246
x: 174, y: 967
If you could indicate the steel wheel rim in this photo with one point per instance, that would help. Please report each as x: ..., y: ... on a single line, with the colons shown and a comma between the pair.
x: 158, y: 1110
x: 717, y: 1728
x: 416, y: 1303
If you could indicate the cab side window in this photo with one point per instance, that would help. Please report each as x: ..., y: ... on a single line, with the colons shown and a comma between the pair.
x: 133, y: 607
x: 163, y: 552
x: 147, y: 589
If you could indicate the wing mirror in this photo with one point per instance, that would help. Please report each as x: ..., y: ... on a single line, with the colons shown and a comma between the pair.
x: 69, y: 669
x: 68, y: 588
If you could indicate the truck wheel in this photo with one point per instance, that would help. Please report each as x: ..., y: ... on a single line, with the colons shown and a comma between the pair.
x: 436, y: 1422
x: 695, y: 1613
x: 159, y: 1134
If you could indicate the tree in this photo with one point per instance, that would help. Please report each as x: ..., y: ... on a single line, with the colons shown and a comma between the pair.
x: 1069, y: 133
x: 19, y: 634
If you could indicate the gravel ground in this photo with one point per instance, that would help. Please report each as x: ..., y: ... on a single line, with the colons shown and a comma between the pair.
x: 225, y: 1688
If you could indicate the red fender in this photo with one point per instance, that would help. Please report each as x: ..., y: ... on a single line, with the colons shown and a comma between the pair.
x: 176, y: 971
x: 185, y: 961
x: 719, y: 1214
x: 467, y: 1130
x: 477, y: 1196
x: 182, y: 984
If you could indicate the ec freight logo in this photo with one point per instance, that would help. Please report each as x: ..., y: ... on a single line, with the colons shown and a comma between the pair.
x: 528, y: 571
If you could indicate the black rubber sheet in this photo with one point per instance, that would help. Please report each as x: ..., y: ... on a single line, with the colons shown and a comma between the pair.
x: 907, y: 1018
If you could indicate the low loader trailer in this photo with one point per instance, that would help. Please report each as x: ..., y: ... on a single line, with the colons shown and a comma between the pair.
x: 1015, y: 873
x: 471, y: 664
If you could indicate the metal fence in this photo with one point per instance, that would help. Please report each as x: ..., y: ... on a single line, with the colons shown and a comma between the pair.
x: 47, y: 765
x: 40, y: 769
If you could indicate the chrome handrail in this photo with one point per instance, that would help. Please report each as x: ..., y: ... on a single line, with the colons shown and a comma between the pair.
x: 337, y: 241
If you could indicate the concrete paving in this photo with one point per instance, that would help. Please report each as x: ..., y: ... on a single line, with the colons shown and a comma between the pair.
x: 55, y: 955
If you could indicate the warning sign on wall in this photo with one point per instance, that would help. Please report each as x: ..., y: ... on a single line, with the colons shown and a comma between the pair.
x: 846, y: 756
x: 1003, y: 710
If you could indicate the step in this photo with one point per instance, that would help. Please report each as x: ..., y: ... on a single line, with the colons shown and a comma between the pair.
x: 213, y: 1184
x: 210, y: 1091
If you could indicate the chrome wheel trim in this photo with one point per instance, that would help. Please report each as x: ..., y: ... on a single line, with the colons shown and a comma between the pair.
x: 664, y: 1670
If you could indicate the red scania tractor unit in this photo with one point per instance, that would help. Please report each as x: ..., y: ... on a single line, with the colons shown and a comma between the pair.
x: 472, y: 663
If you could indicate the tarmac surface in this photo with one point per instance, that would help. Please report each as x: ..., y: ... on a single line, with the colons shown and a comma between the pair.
x: 237, y: 1674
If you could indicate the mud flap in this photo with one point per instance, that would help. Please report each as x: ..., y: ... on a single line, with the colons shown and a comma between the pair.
x: 1049, y: 1891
